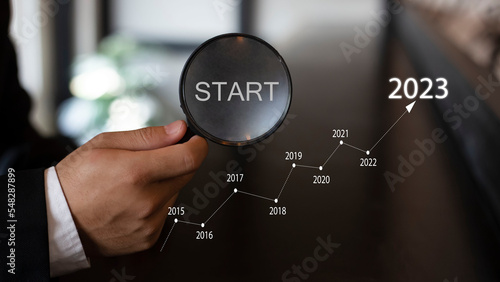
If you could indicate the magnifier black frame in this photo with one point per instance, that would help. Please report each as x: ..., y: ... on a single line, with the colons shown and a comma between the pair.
x: 192, y: 123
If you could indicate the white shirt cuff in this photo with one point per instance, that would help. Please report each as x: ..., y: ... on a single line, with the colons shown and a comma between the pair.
x: 65, y: 248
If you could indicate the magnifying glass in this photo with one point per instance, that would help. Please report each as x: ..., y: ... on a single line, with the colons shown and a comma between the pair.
x: 235, y: 90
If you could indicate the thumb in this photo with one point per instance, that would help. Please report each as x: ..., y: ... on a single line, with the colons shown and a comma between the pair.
x: 148, y: 138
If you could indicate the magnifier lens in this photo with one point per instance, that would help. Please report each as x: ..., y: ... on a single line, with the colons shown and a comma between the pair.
x: 235, y: 89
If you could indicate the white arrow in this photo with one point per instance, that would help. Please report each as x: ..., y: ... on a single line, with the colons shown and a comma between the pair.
x: 410, y: 106
x: 408, y: 109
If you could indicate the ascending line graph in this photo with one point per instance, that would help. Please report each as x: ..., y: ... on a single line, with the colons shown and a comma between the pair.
x: 409, y: 107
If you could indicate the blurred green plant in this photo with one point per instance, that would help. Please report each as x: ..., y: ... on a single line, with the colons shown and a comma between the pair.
x: 114, y: 89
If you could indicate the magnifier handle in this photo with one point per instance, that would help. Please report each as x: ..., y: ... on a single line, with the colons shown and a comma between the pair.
x: 189, y: 133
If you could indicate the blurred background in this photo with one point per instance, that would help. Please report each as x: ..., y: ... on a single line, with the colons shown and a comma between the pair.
x: 92, y: 66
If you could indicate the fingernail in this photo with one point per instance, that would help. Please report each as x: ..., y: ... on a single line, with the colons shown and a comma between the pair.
x: 173, y: 127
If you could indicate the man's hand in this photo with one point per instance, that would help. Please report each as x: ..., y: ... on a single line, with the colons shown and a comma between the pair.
x: 119, y: 185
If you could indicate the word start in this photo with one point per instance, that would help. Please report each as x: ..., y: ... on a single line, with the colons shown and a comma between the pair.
x: 253, y: 89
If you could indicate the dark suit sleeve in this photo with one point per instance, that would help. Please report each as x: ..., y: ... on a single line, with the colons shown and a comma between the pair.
x: 27, y: 235
x: 30, y: 232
